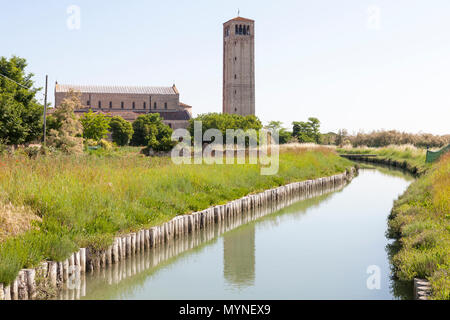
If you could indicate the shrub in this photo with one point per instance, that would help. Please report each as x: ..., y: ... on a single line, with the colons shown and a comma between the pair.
x: 67, y: 136
x: 105, y: 144
x: 95, y: 125
x: 121, y: 131
x: 150, y: 131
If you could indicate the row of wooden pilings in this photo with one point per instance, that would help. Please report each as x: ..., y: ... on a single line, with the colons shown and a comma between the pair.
x: 58, y: 274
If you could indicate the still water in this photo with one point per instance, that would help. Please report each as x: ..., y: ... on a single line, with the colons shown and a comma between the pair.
x: 317, y: 248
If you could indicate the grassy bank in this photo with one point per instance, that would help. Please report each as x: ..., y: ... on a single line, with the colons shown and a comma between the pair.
x: 414, y: 157
x: 83, y: 201
x: 421, y: 220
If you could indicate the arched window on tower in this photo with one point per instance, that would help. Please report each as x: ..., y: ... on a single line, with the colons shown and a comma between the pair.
x: 245, y: 30
x: 134, y: 105
x: 248, y: 30
x: 240, y: 29
x: 154, y: 105
x: 237, y: 29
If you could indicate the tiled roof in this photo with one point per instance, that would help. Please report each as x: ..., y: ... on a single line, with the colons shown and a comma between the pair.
x: 116, y: 89
x: 240, y: 19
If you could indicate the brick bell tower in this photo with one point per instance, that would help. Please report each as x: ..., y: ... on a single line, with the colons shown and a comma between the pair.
x: 239, y: 66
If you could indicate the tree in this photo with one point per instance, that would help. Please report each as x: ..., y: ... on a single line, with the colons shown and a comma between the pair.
x: 20, y: 113
x: 150, y: 131
x: 66, y: 134
x: 224, y: 121
x: 95, y: 125
x: 307, y: 131
x: 121, y: 130
x: 284, y: 136
x: 341, y: 137
x: 329, y: 138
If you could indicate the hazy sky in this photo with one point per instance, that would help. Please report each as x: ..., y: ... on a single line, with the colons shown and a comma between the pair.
x: 354, y: 64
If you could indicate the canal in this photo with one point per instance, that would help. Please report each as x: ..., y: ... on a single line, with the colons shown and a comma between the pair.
x: 329, y: 246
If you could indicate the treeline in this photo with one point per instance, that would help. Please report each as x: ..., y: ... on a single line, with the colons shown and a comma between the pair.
x: 383, y: 138
x: 309, y: 131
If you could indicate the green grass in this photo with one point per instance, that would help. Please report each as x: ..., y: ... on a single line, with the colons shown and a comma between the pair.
x: 414, y: 157
x: 84, y: 201
x: 421, y: 220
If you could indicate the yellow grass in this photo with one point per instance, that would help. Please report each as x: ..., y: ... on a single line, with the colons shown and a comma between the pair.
x: 15, y: 220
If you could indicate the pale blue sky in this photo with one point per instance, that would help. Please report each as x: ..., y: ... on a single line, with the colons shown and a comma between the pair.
x: 322, y: 58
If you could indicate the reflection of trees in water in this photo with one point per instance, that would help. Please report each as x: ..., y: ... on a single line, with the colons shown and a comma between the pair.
x: 399, y: 289
x: 391, y: 171
x: 239, y: 256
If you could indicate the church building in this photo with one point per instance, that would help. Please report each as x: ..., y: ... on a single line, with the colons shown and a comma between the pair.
x: 129, y: 102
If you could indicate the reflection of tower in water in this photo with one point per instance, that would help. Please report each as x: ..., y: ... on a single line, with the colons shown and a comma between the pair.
x: 239, y: 256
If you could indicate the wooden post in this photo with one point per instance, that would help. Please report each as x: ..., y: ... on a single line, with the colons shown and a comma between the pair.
x: 109, y: 256
x: 152, y: 237
x: 129, y: 246
x: 7, y: 293
x: 52, y: 273
x: 115, y: 252
x: 31, y: 282
x: 65, y: 270
x: 102, y: 260
x: 124, y: 247
x: 133, y: 243
x: 60, y: 273
x: 15, y: 290
x: 82, y: 260
x: 138, y: 241
x: 77, y: 259
x: 142, y: 242
x: 147, y: 239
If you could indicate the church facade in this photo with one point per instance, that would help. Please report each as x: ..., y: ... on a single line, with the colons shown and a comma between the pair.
x: 129, y: 102
x: 239, y: 66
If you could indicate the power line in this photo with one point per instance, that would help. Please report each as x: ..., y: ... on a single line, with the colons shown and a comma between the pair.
x: 14, y: 81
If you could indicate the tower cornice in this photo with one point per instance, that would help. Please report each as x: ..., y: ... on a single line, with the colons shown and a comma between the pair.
x: 240, y: 19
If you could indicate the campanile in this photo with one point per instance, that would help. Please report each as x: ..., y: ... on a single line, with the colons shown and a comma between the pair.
x: 239, y: 66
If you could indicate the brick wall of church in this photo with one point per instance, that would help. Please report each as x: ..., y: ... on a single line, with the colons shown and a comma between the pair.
x: 163, y: 101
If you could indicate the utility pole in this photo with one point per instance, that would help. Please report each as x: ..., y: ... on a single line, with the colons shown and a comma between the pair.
x: 45, y: 108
